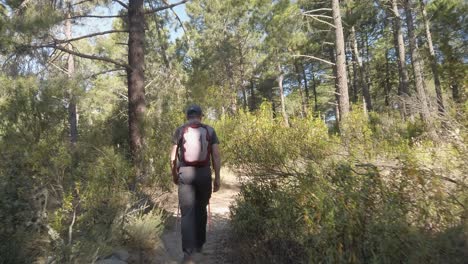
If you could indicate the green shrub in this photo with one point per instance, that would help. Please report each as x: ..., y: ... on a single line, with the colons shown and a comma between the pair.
x: 142, y: 231
x: 369, y: 196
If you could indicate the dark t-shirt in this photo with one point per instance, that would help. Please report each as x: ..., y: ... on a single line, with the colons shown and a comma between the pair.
x: 176, y: 137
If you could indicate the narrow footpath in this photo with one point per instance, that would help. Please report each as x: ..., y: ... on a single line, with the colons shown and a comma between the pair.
x: 216, y: 249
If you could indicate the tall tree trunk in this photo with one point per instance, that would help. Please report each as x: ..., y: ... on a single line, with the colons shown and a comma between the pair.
x: 306, y: 87
x: 435, y: 72
x: 72, y: 110
x: 162, y: 42
x: 252, y: 95
x: 341, y: 77
x: 299, y: 87
x: 362, y: 71
x: 337, y: 94
x: 349, y: 65
x: 244, y: 98
x: 242, y: 75
x: 233, y: 92
x: 355, y: 79
x: 281, y: 90
x: 387, y: 86
x: 136, y: 85
x: 314, y: 90
x: 400, y: 50
x: 417, y: 63
x: 451, y: 62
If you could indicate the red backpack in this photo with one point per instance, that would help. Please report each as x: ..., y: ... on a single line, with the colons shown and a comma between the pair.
x: 195, y: 145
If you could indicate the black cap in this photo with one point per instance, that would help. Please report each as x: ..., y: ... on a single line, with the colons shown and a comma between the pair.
x: 194, y: 110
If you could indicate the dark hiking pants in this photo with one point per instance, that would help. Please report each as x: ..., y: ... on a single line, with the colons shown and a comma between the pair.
x: 194, y: 195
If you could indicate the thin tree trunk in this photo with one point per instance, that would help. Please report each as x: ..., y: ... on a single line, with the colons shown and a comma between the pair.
x: 451, y: 61
x: 283, y: 104
x: 243, y: 88
x: 233, y: 98
x: 314, y: 90
x: 136, y: 85
x: 362, y: 71
x: 337, y: 95
x: 252, y: 95
x: 435, y: 72
x: 387, y: 86
x: 400, y: 49
x: 355, y: 79
x: 72, y: 109
x: 299, y: 87
x: 244, y: 98
x: 349, y: 65
x: 417, y: 63
x: 306, y: 87
x: 164, y: 48
x: 342, y: 80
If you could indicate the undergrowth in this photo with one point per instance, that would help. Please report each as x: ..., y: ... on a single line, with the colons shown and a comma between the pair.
x: 381, y: 192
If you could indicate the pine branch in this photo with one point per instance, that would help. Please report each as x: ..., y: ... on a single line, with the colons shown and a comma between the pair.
x: 121, y: 3
x: 178, y: 18
x: 320, y: 20
x: 165, y: 7
x: 318, y: 10
x: 95, y: 16
x: 61, y: 41
x: 104, y: 72
x: 91, y: 57
x: 315, y: 58
x: 82, y: 2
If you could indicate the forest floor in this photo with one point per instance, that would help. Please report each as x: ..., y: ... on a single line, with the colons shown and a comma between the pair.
x: 216, y: 250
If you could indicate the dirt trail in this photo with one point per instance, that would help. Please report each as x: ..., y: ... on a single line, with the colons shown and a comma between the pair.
x: 215, y: 250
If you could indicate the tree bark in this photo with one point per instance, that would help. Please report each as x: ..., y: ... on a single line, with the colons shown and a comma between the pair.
x: 451, y: 62
x: 242, y: 76
x: 337, y: 94
x: 435, y: 72
x: 314, y: 90
x: 341, y: 77
x: 252, y: 96
x: 72, y: 109
x: 299, y: 87
x: 355, y: 79
x: 417, y: 63
x: 306, y: 87
x: 387, y: 87
x: 281, y: 90
x: 362, y: 71
x: 233, y: 97
x: 136, y: 85
x: 400, y: 50
x: 349, y: 65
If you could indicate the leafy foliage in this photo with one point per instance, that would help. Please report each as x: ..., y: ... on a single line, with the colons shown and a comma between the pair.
x: 362, y: 198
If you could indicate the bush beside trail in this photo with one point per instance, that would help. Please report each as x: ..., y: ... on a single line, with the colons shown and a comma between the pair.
x: 382, y: 192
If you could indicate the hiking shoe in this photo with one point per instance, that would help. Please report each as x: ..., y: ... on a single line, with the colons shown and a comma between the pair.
x: 188, y: 259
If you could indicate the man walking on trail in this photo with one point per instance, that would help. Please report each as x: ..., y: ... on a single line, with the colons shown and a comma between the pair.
x: 195, y: 147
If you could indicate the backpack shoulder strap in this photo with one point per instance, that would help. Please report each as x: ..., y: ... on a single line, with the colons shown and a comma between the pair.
x: 208, y: 136
x: 179, y: 140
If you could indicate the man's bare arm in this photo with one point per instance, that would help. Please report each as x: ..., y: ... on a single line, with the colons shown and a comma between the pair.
x: 216, y: 160
x: 175, y: 177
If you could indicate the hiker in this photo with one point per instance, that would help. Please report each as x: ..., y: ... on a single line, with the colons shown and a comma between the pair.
x: 195, y: 147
